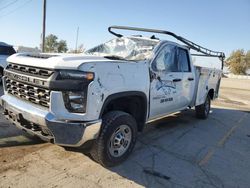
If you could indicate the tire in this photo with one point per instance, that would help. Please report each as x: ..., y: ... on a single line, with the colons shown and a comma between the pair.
x: 202, y: 111
x: 116, y: 140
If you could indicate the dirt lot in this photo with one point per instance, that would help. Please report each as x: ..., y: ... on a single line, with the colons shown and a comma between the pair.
x: 178, y: 151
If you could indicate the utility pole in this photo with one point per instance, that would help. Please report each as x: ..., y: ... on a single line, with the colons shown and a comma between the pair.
x: 44, y: 24
x: 77, y: 31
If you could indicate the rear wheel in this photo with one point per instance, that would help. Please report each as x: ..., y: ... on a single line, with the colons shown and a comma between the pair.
x: 202, y: 111
x: 116, y: 140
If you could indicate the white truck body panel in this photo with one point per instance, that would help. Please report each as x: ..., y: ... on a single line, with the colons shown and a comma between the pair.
x: 207, y: 79
x: 118, y: 78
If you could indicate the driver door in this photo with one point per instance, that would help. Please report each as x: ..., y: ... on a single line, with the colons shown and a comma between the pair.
x: 166, y: 83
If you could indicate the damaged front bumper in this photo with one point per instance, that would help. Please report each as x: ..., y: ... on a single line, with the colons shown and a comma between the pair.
x: 44, y: 124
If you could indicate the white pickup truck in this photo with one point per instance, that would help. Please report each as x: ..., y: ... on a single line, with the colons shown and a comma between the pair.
x: 107, y: 94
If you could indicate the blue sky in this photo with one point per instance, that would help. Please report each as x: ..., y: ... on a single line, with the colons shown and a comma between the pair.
x: 220, y: 25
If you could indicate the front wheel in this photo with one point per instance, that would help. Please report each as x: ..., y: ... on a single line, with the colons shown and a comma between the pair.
x: 202, y: 111
x: 116, y: 140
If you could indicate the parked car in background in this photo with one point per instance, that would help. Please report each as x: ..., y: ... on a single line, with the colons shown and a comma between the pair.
x: 5, y: 51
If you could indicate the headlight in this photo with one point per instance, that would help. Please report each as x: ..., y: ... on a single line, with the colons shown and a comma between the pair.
x: 75, y: 101
x: 75, y: 75
x: 75, y: 98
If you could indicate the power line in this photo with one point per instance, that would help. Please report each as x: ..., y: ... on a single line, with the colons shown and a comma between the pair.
x: 21, y: 6
x: 9, y: 4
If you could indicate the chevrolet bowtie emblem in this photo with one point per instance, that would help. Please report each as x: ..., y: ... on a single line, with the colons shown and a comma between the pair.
x: 41, y: 94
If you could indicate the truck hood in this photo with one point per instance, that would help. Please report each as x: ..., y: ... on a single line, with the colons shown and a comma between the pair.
x: 56, y: 61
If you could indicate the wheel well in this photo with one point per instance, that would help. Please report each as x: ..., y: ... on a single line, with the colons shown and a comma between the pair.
x: 211, y: 94
x: 135, y: 105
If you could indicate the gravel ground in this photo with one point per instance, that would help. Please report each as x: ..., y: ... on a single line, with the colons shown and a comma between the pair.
x: 177, y: 151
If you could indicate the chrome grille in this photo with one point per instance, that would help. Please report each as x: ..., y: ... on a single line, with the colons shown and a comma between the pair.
x: 28, y: 92
x: 45, y: 73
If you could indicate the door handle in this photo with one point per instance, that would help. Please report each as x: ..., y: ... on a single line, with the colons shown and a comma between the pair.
x: 190, y: 79
x: 158, y: 78
x: 176, y: 80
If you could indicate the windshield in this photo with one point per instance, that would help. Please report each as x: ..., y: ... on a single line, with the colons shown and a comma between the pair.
x: 125, y: 48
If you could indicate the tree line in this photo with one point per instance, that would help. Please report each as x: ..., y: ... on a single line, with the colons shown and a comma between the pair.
x: 54, y: 45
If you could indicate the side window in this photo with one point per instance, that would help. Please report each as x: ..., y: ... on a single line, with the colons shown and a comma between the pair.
x: 183, y: 60
x: 166, y: 60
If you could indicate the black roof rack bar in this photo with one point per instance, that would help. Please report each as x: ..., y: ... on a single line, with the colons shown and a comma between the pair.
x: 203, y: 55
x: 190, y: 44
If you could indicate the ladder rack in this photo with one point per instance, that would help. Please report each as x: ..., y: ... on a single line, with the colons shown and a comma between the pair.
x: 205, y: 52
